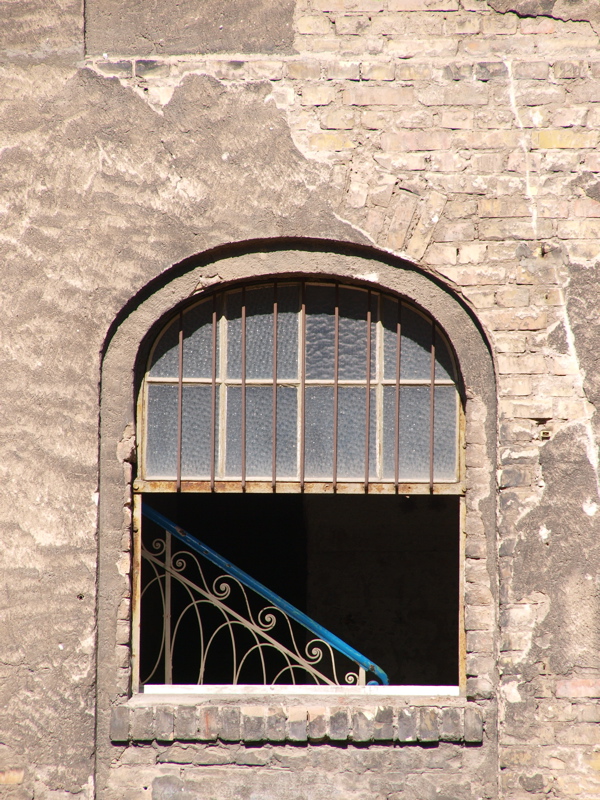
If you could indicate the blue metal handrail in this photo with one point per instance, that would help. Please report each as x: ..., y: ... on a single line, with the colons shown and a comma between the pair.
x: 283, y: 605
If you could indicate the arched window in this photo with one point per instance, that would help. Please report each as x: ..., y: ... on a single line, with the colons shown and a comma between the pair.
x: 267, y: 384
x: 263, y: 407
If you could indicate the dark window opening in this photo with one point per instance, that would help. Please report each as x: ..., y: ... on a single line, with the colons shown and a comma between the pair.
x: 380, y: 572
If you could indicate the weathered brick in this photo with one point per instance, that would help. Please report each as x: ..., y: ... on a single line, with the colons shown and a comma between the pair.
x: 229, y: 724
x: 363, y: 724
x: 185, y: 726
x: 303, y: 70
x: 428, y: 730
x: 164, y: 723
x: 318, y: 723
x: 252, y: 723
x: 119, y: 724
x: 383, y: 725
x: 473, y: 725
x: 377, y: 96
x: 275, y: 724
x: 377, y: 72
x: 318, y: 95
x: 339, y: 724
x: 296, y: 724
x: 452, y: 725
x: 207, y: 723
x: 331, y: 141
x: 564, y: 139
x: 142, y: 724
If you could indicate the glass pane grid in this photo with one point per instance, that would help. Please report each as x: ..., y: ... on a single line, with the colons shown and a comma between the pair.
x: 313, y: 423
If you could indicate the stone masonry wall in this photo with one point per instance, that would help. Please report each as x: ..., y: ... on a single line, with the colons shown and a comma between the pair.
x: 460, y: 135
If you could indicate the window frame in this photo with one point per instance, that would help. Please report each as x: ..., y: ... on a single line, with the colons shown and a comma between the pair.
x: 143, y: 485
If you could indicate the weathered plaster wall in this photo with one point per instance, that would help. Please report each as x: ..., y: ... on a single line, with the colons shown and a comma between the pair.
x: 459, y: 134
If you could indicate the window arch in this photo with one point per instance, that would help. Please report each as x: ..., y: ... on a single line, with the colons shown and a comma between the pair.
x: 264, y: 387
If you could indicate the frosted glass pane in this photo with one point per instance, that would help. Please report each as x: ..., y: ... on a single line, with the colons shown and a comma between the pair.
x: 445, y: 423
x: 233, y: 313
x: 161, y: 438
x: 444, y: 366
x: 320, y: 331
x: 233, y: 444
x: 259, y: 431
x: 389, y: 319
x: 374, y: 466
x: 352, y: 414
x: 259, y: 332
x: 319, y: 433
x: 287, y: 432
x: 288, y: 320
x: 353, y: 334
x: 389, y: 433
x: 416, y: 346
x: 196, y: 430
x: 165, y: 359
x: 414, y: 433
x: 197, y: 341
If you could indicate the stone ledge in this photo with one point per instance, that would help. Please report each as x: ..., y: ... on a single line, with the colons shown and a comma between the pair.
x: 425, y: 724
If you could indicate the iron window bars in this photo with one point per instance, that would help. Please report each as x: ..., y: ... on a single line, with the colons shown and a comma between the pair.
x: 299, y: 385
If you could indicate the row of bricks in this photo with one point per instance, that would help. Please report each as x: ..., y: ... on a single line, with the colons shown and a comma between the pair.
x: 296, y: 724
x: 397, y: 21
x: 377, y: 70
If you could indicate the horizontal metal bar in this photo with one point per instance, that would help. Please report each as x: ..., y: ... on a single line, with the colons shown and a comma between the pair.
x: 258, y: 486
x: 309, y: 382
x: 292, y: 612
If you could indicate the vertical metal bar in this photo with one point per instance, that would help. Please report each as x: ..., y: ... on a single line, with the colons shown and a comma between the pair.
x: 180, y: 402
x: 368, y: 409
x: 397, y: 404
x: 213, y: 399
x: 432, y: 408
x: 243, y: 389
x: 274, y: 423
x: 302, y: 383
x: 167, y: 615
x: 336, y: 359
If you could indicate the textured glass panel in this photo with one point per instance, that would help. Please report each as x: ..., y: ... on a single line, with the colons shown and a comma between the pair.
x: 389, y: 318
x: 320, y: 331
x: 197, y: 341
x: 389, y: 433
x: 353, y: 334
x: 165, y: 359
x: 445, y: 424
x: 196, y: 430
x: 319, y: 433
x: 288, y: 321
x: 444, y: 366
x: 233, y: 313
x: 161, y: 439
x: 259, y: 431
x: 352, y: 414
x: 416, y: 346
x: 414, y: 433
x: 259, y: 332
x: 374, y: 467
x: 287, y: 432
x: 233, y: 444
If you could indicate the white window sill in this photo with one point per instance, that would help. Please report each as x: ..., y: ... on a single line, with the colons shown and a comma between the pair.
x: 222, y: 691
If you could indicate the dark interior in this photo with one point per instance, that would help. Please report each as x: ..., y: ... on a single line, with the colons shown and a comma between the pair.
x: 380, y: 572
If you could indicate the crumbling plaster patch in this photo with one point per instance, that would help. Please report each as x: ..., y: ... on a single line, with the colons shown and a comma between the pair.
x: 566, y: 10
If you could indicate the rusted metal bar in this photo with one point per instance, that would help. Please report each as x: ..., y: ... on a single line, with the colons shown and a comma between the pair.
x: 274, y: 423
x: 180, y: 401
x: 368, y: 401
x: 397, y: 403
x: 243, y: 376
x: 213, y: 399
x: 336, y: 360
x: 432, y: 409
x: 302, y: 384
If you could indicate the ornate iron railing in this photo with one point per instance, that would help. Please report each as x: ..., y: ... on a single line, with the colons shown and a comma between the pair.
x: 216, y: 627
